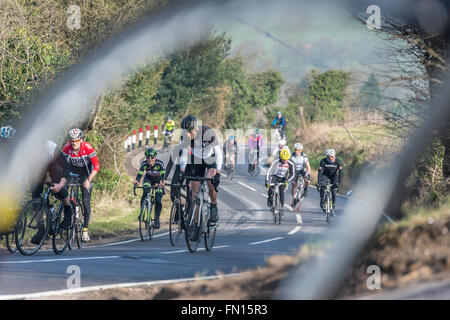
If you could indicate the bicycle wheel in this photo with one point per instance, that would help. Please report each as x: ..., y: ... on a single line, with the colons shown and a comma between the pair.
x: 143, y: 222
x: 210, y: 236
x: 79, y: 224
x: 61, y: 238
x: 10, y: 242
x: 150, y: 223
x: 274, y: 206
x: 33, y: 212
x: 327, y: 208
x: 174, y: 232
x: 190, y: 225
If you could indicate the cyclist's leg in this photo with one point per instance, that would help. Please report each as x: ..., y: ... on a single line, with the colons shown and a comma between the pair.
x: 63, y: 196
x: 86, y: 200
x: 175, y: 180
x: 282, y: 187
x: 158, y: 206
x: 212, y: 193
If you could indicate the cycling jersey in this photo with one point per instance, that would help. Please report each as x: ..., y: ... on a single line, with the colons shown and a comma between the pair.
x: 85, y: 161
x: 284, y: 171
x: 300, y: 161
x: 204, y: 149
x: 230, y: 147
x: 153, y: 174
x: 256, y: 142
x: 279, y: 122
x: 331, y: 170
x: 170, y: 125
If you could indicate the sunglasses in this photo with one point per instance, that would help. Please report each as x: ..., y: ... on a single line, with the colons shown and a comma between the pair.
x: 151, y: 158
x: 75, y: 141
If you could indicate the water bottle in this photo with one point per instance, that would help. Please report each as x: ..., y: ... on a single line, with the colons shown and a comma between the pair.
x: 77, y: 212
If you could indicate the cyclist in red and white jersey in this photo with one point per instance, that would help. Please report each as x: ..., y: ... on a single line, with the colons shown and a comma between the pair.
x: 83, y: 161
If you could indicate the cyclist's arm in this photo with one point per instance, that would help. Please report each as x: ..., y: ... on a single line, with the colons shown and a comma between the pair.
x: 168, y: 168
x: 320, y: 171
x: 140, y: 173
x: 341, y: 172
x: 162, y: 171
x: 274, y: 121
x: 291, y: 171
x: 183, y: 159
x: 271, y: 170
x: 219, y: 157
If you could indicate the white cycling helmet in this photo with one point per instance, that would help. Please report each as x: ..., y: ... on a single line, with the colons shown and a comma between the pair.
x: 282, y: 142
x: 298, y: 146
x: 330, y: 153
x: 7, y: 132
x: 76, y: 134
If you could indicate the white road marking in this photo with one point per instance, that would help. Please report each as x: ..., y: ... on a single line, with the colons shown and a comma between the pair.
x: 299, y: 218
x: 250, y: 227
x: 57, y: 260
x: 200, y: 249
x: 269, y: 240
x: 248, y: 187
x: 111, y: 286
x: 295, y: 230
x: 264, y: 195
x: 289, y: 207
x: 223, y: 174
x: 123, y: 242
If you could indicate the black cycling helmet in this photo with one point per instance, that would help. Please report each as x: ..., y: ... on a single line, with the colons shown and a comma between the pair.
x: 151, y: 152
x: 189, y: 122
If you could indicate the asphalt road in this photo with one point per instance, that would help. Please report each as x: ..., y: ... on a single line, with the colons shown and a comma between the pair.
x: 245, y: 237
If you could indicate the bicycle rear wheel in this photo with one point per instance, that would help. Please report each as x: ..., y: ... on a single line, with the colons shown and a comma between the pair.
x: 190, y: 226
x: 274, y: 206
x: 143, y: 222
x: 34, y: 212
x: 175, y: 228
x: 79, y: 224
x: 61, y: 238
x: 150, y: 225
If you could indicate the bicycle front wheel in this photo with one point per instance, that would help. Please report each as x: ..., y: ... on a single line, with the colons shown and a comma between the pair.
x: 32, y: 227
x: 328, y: 208
x: 143, y: 222
x: 61, y: 238
x: 175, y: 228
x: 191, y: 226
x: 210, y: 236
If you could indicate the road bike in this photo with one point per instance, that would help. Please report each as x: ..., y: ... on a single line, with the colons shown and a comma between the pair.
x: 9, y: 236
x: 253, y: 163
x: 298, y: 194
x: 36, y: 214
x: 229, y: 168
x: 167, y: 139
x: 146, y: 222
x: 327, y: 201
x: 200, y: 207
x: 276, y: 208
x: 178, y: 214
x: 77, y: 212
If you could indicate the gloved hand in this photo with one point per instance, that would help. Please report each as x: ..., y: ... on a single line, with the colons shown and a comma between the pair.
x: 267, y: 185
x: 318, y: 187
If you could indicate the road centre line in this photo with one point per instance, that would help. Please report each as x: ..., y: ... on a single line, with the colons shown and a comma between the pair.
x: 294, y: 230
x: 57, y: 260
x: 124, y: 242
x: 248, y: 187
x: 180, y: 251
x: 264, y: 241
x: 299, y: 218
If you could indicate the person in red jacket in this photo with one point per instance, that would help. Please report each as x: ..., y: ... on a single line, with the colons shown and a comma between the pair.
x: 83, y: 162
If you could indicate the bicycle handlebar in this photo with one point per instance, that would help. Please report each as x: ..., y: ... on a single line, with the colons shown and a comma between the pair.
x: 197, y: 178
x: 144, y: 187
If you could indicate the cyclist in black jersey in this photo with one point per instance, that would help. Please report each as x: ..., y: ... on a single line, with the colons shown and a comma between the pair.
x: 201, y: 155
x: 154, y: 173
x: 330, y: 169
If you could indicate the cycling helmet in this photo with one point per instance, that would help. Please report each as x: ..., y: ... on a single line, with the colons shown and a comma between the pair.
x: 282, y: 142
x: 169, y: 118
x: 298, y: 146
x: 7, y: 132
x: 330, y: 153
x: 279, y: 113
x: 76, y: 134
x: 257, y: 131
x: 189, y: 122
x: 231, y: 138
x: 285, y: 154
x: 151, y: 152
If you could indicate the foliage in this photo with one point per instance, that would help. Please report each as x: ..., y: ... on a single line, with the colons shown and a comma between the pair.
x: 370, y: 93
x: 325, y: 94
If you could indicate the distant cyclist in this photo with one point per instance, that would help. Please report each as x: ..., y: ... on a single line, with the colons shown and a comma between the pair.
x: 281, y: 145
x: 330, y: 169
x: 201, y: 157
x: 255, y: 144
x: 281, y: 171
x: 280, y: 124
x: 83, y: 161
x: 169, y: 126
x: 302, y: 169
x: 154, y: 172
x: 230, y: 150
